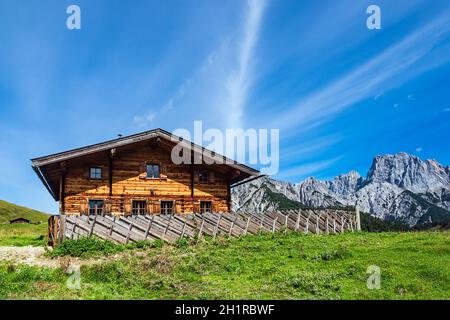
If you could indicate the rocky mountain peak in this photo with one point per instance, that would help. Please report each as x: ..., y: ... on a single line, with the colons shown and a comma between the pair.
x: 409, y: 172
x: 345, y: 184
x: 398, y: 186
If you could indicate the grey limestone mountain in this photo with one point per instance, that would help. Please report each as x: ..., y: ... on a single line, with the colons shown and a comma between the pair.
x: 400, y: 187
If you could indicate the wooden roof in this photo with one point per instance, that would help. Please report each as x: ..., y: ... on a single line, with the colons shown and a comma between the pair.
x: 19, y: 219
x: 48, y: 168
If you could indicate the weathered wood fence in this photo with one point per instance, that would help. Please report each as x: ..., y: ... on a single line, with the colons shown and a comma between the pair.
x: 170, y: 228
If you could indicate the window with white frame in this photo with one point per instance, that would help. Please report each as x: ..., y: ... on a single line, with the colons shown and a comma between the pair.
x: 138, y: 206
x: 166, y: 207
x: 95, y: 207
x: 205, y: 206
x: 95, y: 173
x: 152, y: 171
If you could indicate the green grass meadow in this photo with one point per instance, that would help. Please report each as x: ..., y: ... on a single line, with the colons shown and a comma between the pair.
x: 414, y: 265
x: 23, y: 234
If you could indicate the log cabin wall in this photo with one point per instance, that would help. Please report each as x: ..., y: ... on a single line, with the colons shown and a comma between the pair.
x: 129, y: 182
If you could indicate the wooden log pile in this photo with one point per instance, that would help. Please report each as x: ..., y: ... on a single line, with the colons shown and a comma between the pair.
x: 195, y: 226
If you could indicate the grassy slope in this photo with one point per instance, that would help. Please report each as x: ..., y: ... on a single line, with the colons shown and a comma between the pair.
x: 9, y: 211
x: 23, y: 234
x: 293, y: 266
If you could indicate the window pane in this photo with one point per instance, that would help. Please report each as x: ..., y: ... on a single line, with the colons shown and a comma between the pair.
x: 95, y: 206
x: 166, y: 207
x: 138, y: 207
x: 153, y: 171
x: 205, y: 206
x: 96, y: 173
x: 156, y: 171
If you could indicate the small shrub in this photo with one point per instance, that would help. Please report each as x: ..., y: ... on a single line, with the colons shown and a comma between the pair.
x: 154, y: 284
x: 11, y: 268
x: 161, y: 264
x: 158, y: 243
x: 86, y: 247
x: 109, y: 272
x: 141, y: 245
x: 316, y: 283
x: 340, y: 253
x: 182, y: 242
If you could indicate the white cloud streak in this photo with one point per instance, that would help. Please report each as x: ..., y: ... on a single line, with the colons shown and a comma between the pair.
x: 390, y: 68
x: 239, y: 81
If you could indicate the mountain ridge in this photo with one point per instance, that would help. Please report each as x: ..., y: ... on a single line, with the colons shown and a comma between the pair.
x: 397, y: 187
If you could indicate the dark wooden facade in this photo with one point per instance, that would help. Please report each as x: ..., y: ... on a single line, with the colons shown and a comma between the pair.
x: 123, y: 180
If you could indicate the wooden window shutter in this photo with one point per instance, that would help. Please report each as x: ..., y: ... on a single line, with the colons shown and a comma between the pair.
x: 128, y: 208
x: 149, y: 207
x: 196, y: 207
x: 84, y: 208
x: 156, y: 207
x: 163, y: 171
x: 143, y: 170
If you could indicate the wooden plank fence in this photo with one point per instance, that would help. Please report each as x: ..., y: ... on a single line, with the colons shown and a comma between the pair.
x: 195, y: 226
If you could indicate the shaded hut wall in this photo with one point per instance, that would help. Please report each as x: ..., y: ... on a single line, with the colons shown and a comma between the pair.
x: 129, y: 182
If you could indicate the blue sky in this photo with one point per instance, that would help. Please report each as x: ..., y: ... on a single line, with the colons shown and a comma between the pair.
x: 339, y: 93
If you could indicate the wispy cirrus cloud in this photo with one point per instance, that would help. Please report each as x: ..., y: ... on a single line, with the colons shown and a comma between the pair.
x: 148, y: 118
x: 219, y: 86
x: 239, y: 80
x: 388, y: 69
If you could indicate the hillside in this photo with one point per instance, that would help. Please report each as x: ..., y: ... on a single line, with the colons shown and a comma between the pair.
x: 9, y: 211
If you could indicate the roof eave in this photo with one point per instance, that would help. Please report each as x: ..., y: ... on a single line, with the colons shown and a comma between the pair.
x: 44, y: 181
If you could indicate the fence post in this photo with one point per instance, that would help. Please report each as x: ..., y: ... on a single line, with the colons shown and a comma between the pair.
x: 307, y: 225
x: 149, y: 226
x: 317, y: 224
x: 167, y: 227
x: 358, y: 218
x: 261, y: 224
x: 273, y: 226
x: 200, y: 232
x: 91, y: 232
x: 297, y: 223
x: 184, y: 227
x: 217, y: 226
x: 62, y: 228
x: 230, y: 232
x: 246, y: 226
x: 286, y: 224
